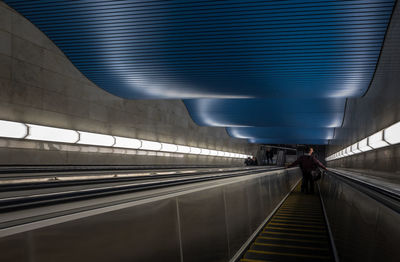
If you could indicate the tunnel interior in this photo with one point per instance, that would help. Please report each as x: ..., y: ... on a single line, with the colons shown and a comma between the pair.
x: 163, y: 130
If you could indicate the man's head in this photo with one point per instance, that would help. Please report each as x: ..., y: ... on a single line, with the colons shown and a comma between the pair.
x: 309, y: 150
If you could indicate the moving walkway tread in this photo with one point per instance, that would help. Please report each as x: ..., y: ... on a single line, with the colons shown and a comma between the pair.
x: 296, y: 232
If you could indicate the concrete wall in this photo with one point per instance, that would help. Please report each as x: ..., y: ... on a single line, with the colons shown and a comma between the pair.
x: 38, y: 84
x: 378, y: 109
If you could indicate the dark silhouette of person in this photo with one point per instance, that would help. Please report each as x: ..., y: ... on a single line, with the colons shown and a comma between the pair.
x: 269, y: 155
x: 307, y: 163
x: 248, y: 161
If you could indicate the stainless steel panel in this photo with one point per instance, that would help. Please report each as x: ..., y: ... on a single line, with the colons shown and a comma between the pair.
x: 359, y: 224
x: 211, y: 226
x: 339, y: 211
x: 265, y: 191
x: 274, y: 189
x: 363, y: 228
x: 387, y: 236
x: 142, y: 233
x: 237, y: 216
x: 254, y: 203
x: 203, y: 226
x: 15, y: 248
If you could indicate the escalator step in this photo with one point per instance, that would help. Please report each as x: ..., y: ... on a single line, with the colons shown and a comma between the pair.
x: 296, y: 232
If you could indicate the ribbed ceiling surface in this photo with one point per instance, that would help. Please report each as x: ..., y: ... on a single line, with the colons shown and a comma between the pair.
x: 283, y: 53
x: 267, y: 112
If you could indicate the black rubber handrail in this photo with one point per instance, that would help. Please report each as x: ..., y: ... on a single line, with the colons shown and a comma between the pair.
x: 9, y: 169
x: 16, y: 203
x: 60, y: 183
x: 380, y: 194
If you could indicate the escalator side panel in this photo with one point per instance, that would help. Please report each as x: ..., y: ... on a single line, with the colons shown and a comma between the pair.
x: 363, y: 228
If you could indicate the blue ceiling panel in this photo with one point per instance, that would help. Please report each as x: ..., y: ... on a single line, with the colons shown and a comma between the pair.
x: 286, y: 141
x: 218, y: 49
x: 267, y: 112
x: 279, y: 132
x: 269, y: 71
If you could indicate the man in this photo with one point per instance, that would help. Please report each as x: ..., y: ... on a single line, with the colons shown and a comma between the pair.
x: 307, y: 163
x: 254, y: 161
x: 269, y: 155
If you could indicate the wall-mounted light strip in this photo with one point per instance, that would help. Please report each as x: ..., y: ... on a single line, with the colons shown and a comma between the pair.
x: 13, y: 129
x: 125, y: 142
x: 52, y: 134
x: 169, y: 147
x: 87, y: 138
x: 10, y: 129
x: 382, y: 138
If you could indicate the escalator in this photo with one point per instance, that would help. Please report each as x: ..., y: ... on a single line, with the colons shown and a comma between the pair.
x: 296, y: 232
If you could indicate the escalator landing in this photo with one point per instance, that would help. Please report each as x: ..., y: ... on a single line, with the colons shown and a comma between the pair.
x: 296, y: 232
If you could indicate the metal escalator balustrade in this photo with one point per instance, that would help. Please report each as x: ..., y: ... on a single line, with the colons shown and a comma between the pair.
x: 296, y: 232
x: 364, y: 215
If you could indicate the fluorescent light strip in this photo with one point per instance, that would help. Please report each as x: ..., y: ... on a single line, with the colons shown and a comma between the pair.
x: 392, y: 134
x: 11, y: 129
x: 52, y: 134
x: 382, y: 138
x: 376, y: 140
x: 363, y: 145
x: 168, y: 147
x: 88, y: 138
x: 150, y: 145
x: 195, y: 150
x: 183, y: 149
x: 354, y: 148
x: 125, y: 142
x: 350, y: 152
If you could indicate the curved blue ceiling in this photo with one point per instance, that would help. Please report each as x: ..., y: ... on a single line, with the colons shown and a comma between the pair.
x: 308, y: 133
x: 288, y: 141
x: 267, y: 112
x: 246, y: 55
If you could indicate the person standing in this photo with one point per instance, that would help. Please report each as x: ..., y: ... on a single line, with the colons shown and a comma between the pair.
x: 270, y: 155
x: 267, y: 154
x: 307, y: 163
x: 248, y: 161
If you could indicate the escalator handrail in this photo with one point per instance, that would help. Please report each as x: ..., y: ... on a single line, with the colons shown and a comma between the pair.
x: 381, y: 194
x: 17, y: 203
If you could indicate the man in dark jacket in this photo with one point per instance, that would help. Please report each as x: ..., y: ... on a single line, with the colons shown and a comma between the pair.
x: 307, y: 163
x: 269, y: 154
